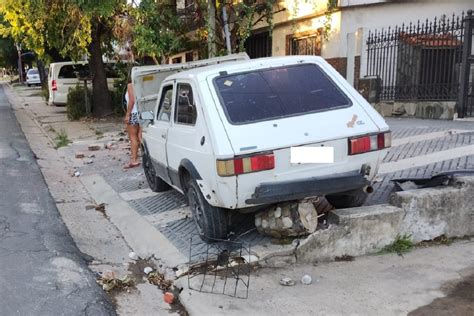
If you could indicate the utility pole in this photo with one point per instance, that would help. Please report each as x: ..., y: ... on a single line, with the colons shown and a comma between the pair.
x: 20, y: 65
x: 211, y: 28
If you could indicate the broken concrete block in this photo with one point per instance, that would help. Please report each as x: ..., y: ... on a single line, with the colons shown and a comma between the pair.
x: 80, y: 155
x: 287, y: 282
x: 111, y: 145
x: 288, y: 219
x: 94, y: 147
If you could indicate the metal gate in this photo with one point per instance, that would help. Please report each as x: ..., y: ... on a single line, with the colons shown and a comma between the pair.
x: 465, y: 105
x: 426, y: 61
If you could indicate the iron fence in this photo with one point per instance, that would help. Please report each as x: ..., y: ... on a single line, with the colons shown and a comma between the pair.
x: 418, y: 61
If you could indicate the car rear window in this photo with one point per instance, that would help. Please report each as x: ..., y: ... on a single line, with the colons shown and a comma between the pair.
x: 32, y: 72
x: 278, y: 92
x: 69, y: 71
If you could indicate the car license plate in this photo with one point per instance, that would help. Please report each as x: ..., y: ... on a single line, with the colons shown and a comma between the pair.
x: 301, y: 155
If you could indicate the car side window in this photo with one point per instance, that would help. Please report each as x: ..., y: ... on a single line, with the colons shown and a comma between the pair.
x: 164, y: 109
x: 185, y: 107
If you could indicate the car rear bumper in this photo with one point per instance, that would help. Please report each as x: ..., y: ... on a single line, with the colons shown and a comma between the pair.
x: 267, y: 193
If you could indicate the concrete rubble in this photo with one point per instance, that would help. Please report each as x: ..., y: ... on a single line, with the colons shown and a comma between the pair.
x: 288, y: 219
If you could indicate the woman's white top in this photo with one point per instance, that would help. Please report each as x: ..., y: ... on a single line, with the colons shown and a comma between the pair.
x: 134, y: 109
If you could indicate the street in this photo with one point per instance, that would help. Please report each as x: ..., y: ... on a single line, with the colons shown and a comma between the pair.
x: 42, y: 271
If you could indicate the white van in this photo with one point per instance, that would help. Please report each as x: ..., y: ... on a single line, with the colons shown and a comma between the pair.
x: 243, y: 133
x: 62, y: 76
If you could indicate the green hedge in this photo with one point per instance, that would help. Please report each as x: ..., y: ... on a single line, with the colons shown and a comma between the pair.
x: 76, y: 105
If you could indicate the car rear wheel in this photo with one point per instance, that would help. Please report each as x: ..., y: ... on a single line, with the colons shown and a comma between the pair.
x: 156, y: 183
x: 211, y: 221
x: 347, y: 199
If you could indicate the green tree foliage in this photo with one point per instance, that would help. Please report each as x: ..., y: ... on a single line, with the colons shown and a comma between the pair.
x: 158, y: 32
x: 72, y: 27
x: 8, y: 52
x: 242, y: 17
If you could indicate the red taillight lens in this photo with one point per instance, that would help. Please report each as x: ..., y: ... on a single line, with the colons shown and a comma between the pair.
x: 264, y: 162
x: 242, y: 165
x: 369, y: 143
x: 54, y: 87
x: 359, y: 145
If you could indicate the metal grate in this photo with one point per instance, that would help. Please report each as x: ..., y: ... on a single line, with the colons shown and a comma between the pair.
x: 162, y: 202
x: 221, y: 267
x: 125, y: 181
x: 180, y: 232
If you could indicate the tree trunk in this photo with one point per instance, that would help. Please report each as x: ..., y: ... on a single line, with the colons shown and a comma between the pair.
x: 101, y: 99
x: 211, y: 36
x: 42, y: 74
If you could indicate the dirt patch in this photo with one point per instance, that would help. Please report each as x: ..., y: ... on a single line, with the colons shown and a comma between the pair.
x: 459, y: 301
x: 156, y: 278
x: 136, y: 269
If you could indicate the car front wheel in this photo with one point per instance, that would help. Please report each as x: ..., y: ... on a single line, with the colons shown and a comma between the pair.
x: 211, y: 221
x: 347, y: 199
x: 156, y: 183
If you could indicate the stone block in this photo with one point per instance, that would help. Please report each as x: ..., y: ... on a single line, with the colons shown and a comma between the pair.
x: 432, y: 212
x: 354, y: 232
x: 94, y: 147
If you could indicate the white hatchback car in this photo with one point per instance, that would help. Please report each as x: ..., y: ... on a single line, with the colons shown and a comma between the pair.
x: 240, y: 134
x: 32, y: 77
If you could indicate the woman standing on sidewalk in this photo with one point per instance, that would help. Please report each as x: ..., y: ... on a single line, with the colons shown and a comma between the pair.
x: 133, y: 127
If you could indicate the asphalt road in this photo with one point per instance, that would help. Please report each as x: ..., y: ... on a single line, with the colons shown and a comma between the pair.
x: 42, y: 272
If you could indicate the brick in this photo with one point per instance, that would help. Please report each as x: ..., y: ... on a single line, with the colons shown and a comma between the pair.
x: 94, y: 147
x: 80, y: 155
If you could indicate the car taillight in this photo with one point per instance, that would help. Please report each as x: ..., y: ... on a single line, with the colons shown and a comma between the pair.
x: 54, y: 87
x: 360, y: 145
x: 241, y: 165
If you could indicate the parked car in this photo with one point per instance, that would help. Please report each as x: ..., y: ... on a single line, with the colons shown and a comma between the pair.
x: 242, y: 133
x: 64, y: 75
x: 32, y: 77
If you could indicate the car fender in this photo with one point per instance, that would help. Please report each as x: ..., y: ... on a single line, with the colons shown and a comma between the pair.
x: 187, y: 165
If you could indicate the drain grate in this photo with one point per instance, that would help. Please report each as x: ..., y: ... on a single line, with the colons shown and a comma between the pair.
x: 126, y: 181
x: 180, y: 232
x: 162, y: 202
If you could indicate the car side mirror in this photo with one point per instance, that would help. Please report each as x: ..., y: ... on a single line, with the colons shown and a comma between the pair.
x: 147, y: 116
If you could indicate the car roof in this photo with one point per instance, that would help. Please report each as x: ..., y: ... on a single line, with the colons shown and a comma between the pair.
x: 62, y: 63
x: 243, y: 65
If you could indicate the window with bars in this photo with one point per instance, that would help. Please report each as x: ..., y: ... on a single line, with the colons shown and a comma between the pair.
x: 307, y: 43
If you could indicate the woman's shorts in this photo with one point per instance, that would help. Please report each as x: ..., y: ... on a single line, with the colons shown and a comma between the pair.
x: 133, y: 119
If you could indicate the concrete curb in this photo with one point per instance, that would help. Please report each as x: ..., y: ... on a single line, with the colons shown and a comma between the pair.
x: 142, y: 237
x: 423, y: 214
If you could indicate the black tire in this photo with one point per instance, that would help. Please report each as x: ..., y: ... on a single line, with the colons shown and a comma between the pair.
x: 211, y: 221
x: 28, y: 85
x: 156, y: 183
x: 347, y: 199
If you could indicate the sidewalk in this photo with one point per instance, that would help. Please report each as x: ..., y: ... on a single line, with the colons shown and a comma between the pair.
x: 160, y: 224
x: 91, y: 230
